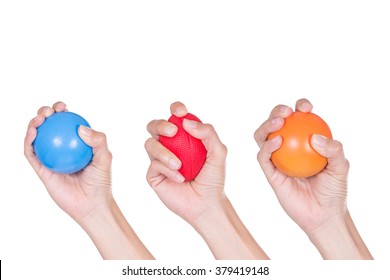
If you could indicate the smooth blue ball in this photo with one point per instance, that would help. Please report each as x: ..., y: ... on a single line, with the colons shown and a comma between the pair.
x: 58, y: 145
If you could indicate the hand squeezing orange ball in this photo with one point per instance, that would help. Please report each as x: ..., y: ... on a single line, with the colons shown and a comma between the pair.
x: 296, y: 157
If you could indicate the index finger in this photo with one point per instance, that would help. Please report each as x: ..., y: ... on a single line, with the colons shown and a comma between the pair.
x: 161, y: 127
x: 273, y: 123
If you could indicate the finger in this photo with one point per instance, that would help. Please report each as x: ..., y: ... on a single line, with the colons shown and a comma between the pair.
x: 157, y: 151
x: 29, y: 149
x: 37, y: 121
x: 264, y: 156
x: 178, y: 109
x: 46, y: 111
x: 274, y: 123
x: 161, y: 127
x: 303, y: 105
x: 216, y: 150
x: 280, y: 111
x: 29, y: 139
x: 269, y: 126
x: 158, y: 171
x: 32, y: 129
x: 333, y: 151
x: 98, y: 142
x: 59, y: 106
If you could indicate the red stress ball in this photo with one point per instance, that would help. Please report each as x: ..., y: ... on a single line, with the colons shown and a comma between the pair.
x: 296, y: 157
x: 189, y: 150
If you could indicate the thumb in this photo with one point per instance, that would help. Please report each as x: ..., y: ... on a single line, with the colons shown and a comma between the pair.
x: 98, y: 142
x: 216, y: 150
x: 333, y: 151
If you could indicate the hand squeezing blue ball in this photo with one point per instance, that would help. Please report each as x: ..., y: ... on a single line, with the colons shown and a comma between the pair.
x: 58, y: 145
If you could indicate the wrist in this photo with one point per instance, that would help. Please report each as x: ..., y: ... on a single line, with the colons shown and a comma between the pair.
x: 338, y: 238
x: 200, y: 224
x: 113, y: 236
x: 226, y: 235
x: 103, y: 212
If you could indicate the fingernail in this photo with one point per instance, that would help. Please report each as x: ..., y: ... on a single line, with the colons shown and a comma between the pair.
x: 179, y: 178
x: 284, y: 109
x: 276, y: 140
x: 305, y: 106
x: 170, y: 130
x: 276, y: 121
x: 190, y: 123
x: 319, y: 140
x: 180, y: 112
x: 174, y: 164
x: 47, y: 111
x: 85, y: 130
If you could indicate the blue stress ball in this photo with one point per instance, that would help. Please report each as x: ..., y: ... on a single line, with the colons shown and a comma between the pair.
x: 58, y: 145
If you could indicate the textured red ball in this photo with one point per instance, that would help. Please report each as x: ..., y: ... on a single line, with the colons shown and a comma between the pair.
x: 189, y: 150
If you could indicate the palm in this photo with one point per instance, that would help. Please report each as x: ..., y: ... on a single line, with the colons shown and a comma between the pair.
x: 77, y: 194
x: 310, y: 201
x: 190, y: 199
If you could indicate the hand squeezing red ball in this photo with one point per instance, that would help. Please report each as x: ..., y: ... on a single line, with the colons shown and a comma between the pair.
x: 187, y: 172
x: 187, y: 163
x: 188, y: 149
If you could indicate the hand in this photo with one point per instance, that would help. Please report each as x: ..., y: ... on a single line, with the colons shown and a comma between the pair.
x: 201, y: 202
x: 80, y: 193
x: 191, y: 199
x: 310, y: 201
x: 318, y: 203
x: 86, y: 195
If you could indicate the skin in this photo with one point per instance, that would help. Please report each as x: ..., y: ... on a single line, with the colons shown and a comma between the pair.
x: 86, y: 196
x: 202, y: 202
x: 318, y: 204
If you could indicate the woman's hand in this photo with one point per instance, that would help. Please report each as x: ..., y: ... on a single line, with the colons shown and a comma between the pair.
x: 317, y: 204
x: 86, y: 195
x: 201, y: 202
x: 80, y: 193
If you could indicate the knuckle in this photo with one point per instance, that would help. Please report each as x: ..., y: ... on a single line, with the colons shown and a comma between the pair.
x: 109, y: 155
x: 150, y: 125
x: 347, y: 164
x: 25, y: 153
x: 259, y: 156
x: 256, y: 135
x: 209, y: 128
x: 337, y: 147
x: 261, y: 132
x: 154, y: 164
x: 160, y: 125
x: 148, y: 143
x: 224, y: 150
x: 101, y: 137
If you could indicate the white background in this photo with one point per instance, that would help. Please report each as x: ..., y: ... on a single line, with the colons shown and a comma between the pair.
x: 121, y: 63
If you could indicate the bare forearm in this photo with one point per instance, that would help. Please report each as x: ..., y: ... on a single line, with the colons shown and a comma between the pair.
x: 226, y: 235
x: 339, y: 239
x: 113, y: 236
x: 362, y: 248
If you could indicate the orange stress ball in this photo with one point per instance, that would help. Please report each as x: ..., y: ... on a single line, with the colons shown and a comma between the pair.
x: 296, y: 157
